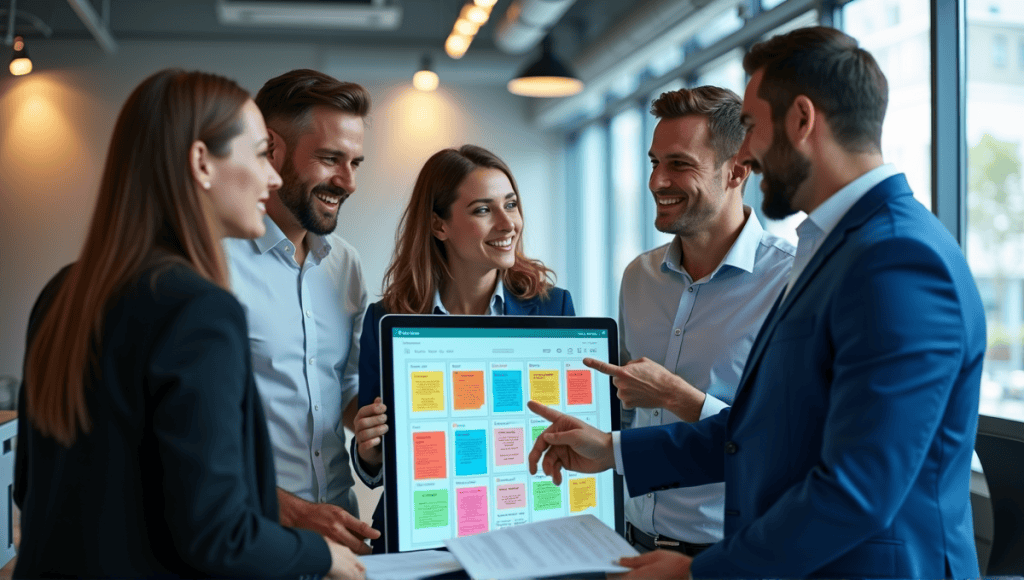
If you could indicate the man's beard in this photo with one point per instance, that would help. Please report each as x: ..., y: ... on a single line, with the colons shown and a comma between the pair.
x: 298, y: 197
x: 783, y: 172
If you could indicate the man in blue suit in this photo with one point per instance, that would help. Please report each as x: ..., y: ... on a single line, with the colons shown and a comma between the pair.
x: 847, y: 450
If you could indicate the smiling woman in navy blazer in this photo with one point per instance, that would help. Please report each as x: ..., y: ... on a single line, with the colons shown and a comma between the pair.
x: 459, y: 251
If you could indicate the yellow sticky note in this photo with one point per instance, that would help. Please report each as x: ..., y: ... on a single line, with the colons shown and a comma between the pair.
x: 582, y: 494
x: 427, y: 391
x: 544, y: 387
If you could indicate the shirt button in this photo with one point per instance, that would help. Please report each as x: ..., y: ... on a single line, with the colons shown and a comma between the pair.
x: 678, y: 332
x: 316, y: 407
x: 309, y: 314
x: 655, y: 413
x: 317, y: 453
x: 691, y: 288
x: 650, y: 495
x: 312, y: 360
x: 731, y: 447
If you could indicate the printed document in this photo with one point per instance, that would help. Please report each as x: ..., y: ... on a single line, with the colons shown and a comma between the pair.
x: 571, y: 545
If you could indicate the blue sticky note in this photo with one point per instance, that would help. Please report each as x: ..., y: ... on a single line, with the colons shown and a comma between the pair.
x: 470, y: 452
x: 508, y: 391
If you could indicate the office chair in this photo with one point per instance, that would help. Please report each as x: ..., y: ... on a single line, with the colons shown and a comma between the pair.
x: 1000, y: 447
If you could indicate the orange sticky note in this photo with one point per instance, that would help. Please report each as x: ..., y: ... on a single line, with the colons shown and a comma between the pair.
x: 428, y: 455
x: 468, y: 390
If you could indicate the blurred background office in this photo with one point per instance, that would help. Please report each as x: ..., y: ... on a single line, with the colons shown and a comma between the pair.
x: 955, y: 123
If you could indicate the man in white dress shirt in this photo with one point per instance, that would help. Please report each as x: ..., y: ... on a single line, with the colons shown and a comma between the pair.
x: 689, y: 310
x: 304, y: 297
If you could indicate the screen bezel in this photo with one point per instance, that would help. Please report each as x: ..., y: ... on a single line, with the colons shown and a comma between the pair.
x: 390, y: 322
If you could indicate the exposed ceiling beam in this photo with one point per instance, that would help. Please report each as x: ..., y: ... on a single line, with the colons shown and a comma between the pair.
x: 97, y: 26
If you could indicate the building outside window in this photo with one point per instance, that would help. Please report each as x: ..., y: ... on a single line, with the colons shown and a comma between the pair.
x: 995, y: 198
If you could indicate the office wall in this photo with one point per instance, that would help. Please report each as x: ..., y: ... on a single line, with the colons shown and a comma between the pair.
x: 55, y: 126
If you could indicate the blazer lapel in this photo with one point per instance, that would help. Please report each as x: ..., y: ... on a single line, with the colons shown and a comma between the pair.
x: 861, y: 211
x: 515, y: 307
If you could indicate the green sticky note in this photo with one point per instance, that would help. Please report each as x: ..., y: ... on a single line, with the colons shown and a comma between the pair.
x: 537, y: 430
x: 546, y: 496
x: 431, y: 508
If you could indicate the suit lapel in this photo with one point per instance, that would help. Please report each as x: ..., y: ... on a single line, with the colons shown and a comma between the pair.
x: 857, y: 215
x: 515, y: 307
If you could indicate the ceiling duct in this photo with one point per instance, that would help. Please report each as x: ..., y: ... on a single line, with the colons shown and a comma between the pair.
x: 340, y: 14
x: 526, y: 22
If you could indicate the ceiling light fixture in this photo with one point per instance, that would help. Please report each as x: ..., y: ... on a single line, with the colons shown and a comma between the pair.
x: 473, y: 15
x: 425, y: 79
x: 21, y: 64
x: 545, y: 77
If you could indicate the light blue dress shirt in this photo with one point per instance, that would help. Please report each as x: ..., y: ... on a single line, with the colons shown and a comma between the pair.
x: 702, y: 331
x: 820, y: 222
x: 304, y: 326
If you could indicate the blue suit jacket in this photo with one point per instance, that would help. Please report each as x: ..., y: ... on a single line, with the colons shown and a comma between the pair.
x: 557, y: 303
x: 847, y: 451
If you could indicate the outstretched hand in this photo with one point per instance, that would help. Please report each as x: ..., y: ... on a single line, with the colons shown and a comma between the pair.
x: 569, y: 443
x: 645, y: 384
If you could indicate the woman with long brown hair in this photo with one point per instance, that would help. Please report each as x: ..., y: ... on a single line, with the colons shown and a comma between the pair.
x: 459, y: 250
x: 142, y: 445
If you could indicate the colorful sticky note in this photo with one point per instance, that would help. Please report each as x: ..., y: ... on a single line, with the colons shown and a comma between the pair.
x: 429, y: 455
x: 508, y: 446
x: 582, y: 493
x: 470, y: 452
x: 468, y: 390
x: 472, y: 510
x: 510, y: 496
x: 508, y: 390
x: 578, y: 388
x: 427, y: 391
x: 544, y: 387
x: 430, y: 508
x: 546, y: 496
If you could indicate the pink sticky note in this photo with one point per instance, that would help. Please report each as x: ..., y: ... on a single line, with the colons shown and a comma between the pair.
x: 508, y: 446
x: 472, y: 510
x: 511, y: 496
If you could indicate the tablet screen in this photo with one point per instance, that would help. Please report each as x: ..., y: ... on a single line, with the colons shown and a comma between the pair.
x: 461, y: 432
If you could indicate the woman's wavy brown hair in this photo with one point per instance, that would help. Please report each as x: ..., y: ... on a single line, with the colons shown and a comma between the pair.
x: 148, y: 213
x: 419, y: 265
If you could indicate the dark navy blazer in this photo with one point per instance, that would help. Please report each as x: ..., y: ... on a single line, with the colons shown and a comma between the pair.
x: 847, y: 451
x: 557, y: 303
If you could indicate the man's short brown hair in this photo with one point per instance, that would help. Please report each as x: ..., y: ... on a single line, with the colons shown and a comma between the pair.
x: 828, y: 67
x: 721, y: 107
x: 287, y: 101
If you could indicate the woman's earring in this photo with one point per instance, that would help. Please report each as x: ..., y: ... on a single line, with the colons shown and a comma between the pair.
x: 206, y: 185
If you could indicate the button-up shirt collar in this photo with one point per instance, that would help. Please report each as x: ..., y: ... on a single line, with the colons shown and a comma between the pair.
x: 741, y: 255
x: 497, y: 304
x: 274, y: 237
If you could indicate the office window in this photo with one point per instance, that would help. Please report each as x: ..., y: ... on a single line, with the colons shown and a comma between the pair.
x: 726, y: 72
x: 903, y: 52
x: 593, y: 243
x: 995, y: 204
x: 1020, y: 53
x: 719, y: 27
x: 628, y: 154
x: 999, y: 51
